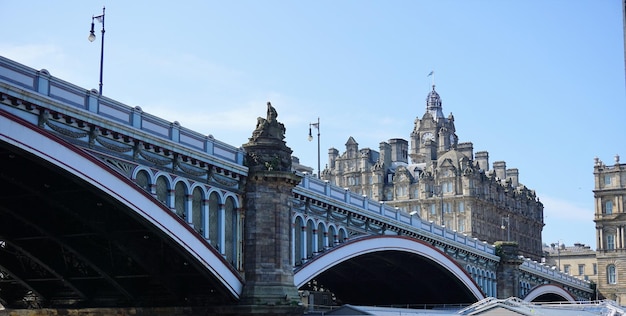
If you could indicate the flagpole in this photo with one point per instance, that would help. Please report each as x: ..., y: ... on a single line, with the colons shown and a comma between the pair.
x: 432, y: 75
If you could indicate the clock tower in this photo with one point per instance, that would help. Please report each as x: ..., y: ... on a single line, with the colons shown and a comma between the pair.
x: 433, y: 133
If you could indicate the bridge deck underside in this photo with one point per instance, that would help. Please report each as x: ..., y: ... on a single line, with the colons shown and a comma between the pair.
x: 394, y: 278
x: 64, y: 243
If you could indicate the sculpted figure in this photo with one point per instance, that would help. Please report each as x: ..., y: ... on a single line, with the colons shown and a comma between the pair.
x: 269, y: 126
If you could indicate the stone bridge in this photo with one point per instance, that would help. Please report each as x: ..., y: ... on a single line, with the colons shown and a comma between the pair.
x: 104, y: 205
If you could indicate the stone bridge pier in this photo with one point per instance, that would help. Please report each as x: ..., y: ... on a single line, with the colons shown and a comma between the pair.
x: 269, y: 284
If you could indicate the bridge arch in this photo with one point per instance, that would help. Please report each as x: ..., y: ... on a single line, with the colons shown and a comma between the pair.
x: 77, y: 163
x: 368, y: 261
x: 549, y: 293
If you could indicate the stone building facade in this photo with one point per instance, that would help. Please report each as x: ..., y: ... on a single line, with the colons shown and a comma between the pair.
x: 578, y: 260
x: 610, y: 218
x: 444, y: 181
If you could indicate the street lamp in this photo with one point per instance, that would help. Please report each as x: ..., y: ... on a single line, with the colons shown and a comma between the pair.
x: 92, y: 37
x: 316, y: 125
x: 507, y: 227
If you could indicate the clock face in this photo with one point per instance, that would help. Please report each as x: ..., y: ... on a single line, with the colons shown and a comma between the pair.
x: 427, y: 136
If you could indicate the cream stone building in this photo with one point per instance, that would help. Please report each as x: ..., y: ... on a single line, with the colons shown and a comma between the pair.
x: 610, y: 195
x: 578, y: 260
x: 441, y: 179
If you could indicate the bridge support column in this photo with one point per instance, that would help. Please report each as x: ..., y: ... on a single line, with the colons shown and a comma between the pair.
x: 508, y: 269
x: 269, y: 280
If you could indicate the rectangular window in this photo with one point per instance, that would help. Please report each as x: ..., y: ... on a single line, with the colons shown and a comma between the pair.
x: 607, y: 179
x: 461, y: 227
x: 610, y: 242
x: 461, y: 207
x: 608, y: 207
x: 566, y: 268
x: 595, y: 269
x: 433, y: 209
x: 581, y: 269
x: 446, y: 208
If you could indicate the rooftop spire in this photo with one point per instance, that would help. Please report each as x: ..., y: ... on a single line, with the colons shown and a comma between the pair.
x: 433, y: 104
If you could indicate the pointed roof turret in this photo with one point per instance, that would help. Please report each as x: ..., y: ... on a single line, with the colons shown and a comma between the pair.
x: 351, y: 142
x: 433, y: 105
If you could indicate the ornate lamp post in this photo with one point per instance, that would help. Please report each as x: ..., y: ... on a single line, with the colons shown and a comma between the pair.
x: 316, y: 125
x: 92, y: 37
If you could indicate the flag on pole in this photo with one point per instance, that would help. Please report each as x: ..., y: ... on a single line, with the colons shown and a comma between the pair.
x: 431, y: 73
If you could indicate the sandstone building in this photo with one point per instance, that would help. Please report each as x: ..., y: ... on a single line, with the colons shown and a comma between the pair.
x: 578, y: 260
x: 610, y: 196
x: 441, y: 179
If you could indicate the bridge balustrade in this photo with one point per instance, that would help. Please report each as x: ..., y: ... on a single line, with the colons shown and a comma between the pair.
x: 395, y: 218
x: 43, y: 84
x: 551, y: 274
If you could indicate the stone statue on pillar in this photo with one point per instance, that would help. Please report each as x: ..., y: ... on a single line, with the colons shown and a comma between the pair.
x: 269, y: 280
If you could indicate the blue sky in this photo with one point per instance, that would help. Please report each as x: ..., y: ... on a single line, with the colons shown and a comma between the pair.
x: 538, y: 84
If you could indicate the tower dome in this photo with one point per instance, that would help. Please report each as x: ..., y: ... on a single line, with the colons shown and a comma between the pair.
x: 433, y: 105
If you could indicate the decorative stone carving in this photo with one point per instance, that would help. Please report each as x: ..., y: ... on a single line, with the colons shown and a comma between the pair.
x: 266, y: 149
x: 269, y: 127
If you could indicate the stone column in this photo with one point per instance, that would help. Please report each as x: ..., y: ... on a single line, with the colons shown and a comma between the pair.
x: 269, y: 283
x: 508, y: 271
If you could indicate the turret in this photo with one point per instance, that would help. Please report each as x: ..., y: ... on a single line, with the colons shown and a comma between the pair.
x: 352, y: 147
x: 332, y: 157
x: 433, y: 105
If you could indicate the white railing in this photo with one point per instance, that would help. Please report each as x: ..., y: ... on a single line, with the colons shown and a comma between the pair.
x: 368, y: 206
x: 42, y: 84
x: 552, y: 273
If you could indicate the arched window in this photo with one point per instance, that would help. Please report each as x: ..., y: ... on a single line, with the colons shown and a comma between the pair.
x: 298, y: 241
x: 611, y: 278
x: 213, y: 222
x: 310, y: 227
x: 320, y: 238
x: 143, y: 180
x: 342, y: 236
x: 332, y: 236
x: 180, y: 199
x: 230, y: 230
x: 162, y: 190
x: 197, y: 198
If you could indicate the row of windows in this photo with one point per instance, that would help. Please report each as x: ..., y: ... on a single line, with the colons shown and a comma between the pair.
x: 311, y: 239
x: 447, y: 207
x: 581, y: 269
x: 213, y: 214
